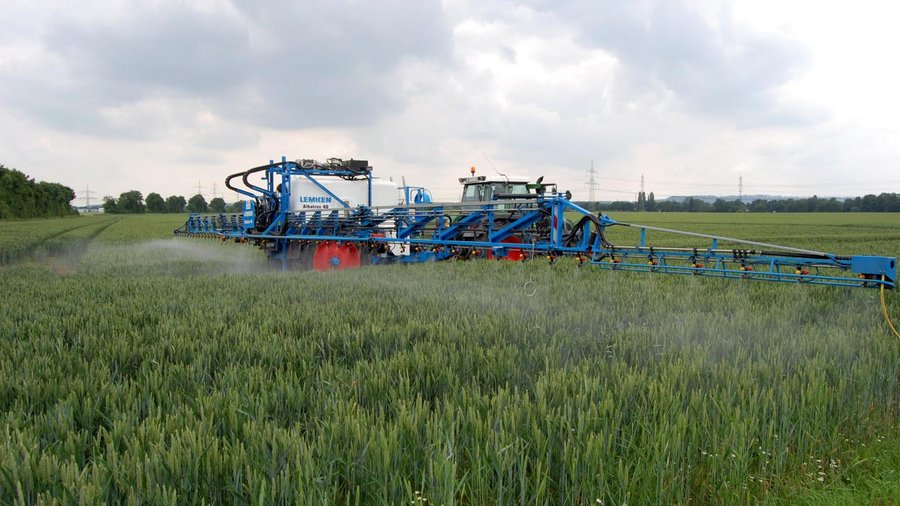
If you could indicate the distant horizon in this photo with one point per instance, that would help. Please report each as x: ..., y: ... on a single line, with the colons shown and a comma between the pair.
x: 709, y: 198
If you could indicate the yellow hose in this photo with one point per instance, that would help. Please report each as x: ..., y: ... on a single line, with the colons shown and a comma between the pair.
x: 884, y: 310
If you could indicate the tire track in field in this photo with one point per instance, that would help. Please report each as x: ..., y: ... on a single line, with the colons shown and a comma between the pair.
x: 67, y: 259
x: 100, y: 230
x: 46, y: 248
x: 9, y: 258
x: 46, y: 238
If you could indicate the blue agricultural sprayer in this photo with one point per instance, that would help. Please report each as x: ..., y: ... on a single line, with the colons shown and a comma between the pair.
x: 333, y: 215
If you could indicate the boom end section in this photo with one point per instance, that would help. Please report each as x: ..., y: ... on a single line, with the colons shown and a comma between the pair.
x: 873, y: 267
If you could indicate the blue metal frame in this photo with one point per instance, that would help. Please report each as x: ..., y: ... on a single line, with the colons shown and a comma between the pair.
x: 434, y: 232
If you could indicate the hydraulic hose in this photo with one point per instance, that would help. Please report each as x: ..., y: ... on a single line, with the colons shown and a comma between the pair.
x: 246, y: 175
x: 238, y: 190
x: 884, y: 310
x: 596, y: 221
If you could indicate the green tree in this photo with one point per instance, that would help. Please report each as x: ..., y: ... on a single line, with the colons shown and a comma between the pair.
x: 110, y: 206
x: 155, y: 203
x: 22, y: 197
x: 869, y: 203
x: 695, y: 205
x: 758, y: 206
x: 197, y: 204
x: 175, y: 204
x: 727, y: 206
x: 891, y: 202
x: 131, y: 202
x: 621, y: 205
x: 217, y: 205
x: 54, y: 199
x: 651, y: 202
x: 828, y: 205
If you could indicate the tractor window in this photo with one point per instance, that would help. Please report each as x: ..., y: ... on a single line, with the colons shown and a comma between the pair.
x: 517, y: 188
x: 472, y: 193
x: 485, y: 192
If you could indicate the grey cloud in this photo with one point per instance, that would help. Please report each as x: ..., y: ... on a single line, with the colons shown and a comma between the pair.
x: 167, y: 47
x: 666, y: 45
x: 335, y: 63
x: 282, y: 65
x: 329, y: 35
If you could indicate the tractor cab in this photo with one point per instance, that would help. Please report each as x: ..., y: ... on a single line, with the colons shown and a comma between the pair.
x: 490, y: 188
x: 486, y: 190
x: 504, y: 187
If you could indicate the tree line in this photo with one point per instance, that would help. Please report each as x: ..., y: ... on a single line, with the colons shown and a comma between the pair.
x: 23, y: 197
x: 133, y: 202
x: 885, y: 202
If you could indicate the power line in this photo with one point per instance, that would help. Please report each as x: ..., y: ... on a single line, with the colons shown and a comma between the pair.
x: 666, y: 183
x: 592, y: 183
x: 608, y: 190
x: 87, y: 195
x: 761, y: 185
x: 855, y: 184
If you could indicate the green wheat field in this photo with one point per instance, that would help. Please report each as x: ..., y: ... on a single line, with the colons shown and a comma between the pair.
x: 140, y: 369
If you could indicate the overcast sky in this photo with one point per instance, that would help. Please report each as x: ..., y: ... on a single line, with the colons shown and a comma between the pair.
x: 798, y: 98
